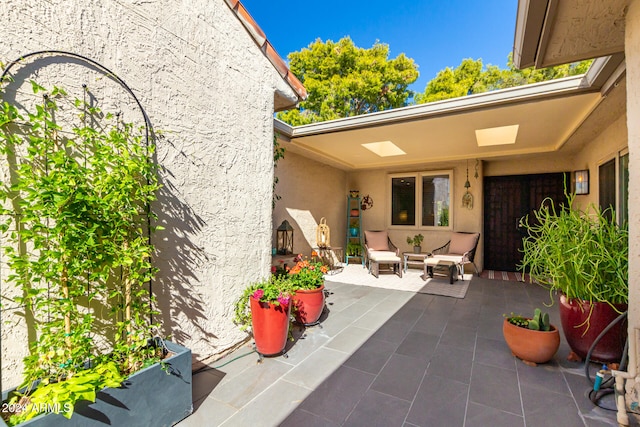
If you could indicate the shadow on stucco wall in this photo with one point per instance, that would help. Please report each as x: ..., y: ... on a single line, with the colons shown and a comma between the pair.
x: 177, y: 259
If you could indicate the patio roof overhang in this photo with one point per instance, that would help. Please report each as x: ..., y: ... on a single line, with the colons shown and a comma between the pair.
x: 548, y: 116
x: 553, y: 32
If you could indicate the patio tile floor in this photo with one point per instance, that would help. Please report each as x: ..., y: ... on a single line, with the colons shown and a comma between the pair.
x: 394, y: 358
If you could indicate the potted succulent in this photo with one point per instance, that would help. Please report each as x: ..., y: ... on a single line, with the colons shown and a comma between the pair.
x: 583, y: 255
x: 265, y: 307
x: 307, y: 280
x: 416, y: 241
x: 532, y: 339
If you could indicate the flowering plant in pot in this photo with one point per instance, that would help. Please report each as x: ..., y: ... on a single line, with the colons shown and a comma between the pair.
x: 532, y: 339
x: 583, y: 255
x: 307, y: 280
x: 265, y: 307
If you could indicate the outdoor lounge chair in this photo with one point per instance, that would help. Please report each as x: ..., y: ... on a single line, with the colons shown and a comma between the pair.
x: 380, y: 250
x: 460, y: 250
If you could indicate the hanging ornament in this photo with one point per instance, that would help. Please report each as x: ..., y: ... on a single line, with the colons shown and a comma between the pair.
x: 467, y: 198
x: 477, y: 164
x: 367, y: 203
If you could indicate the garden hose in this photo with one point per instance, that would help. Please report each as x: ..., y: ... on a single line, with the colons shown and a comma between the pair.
x: 603, y: 387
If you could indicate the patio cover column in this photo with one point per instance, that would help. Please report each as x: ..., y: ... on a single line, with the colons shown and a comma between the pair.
x: 632, y: 53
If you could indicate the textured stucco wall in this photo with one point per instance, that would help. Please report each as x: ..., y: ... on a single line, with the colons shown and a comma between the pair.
x: 632, y: 52
x: 375, y: 183
x: 310, y: 190
x: 207, y: 86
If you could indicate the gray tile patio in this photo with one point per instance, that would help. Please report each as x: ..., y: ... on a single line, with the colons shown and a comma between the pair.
x: 395, y: 358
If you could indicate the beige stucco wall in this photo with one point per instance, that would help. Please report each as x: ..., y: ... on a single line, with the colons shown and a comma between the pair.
x: 309, y: 191
x: 603, y: 148
x: 376, y: 184
x: 205, y: 83
x: 632, y: 52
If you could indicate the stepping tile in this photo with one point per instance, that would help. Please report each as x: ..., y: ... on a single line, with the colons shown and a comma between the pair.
x: 451, y: 362
x: 339, y: 394
x: 484, y: 416
x: 313, y: 370
x: 540, y: 406
x: 439, y: 402
x: 401, y: 376
x: 418, y: 345
x: 377, y: 409
x: 371, y: 356
x: 496, y: 388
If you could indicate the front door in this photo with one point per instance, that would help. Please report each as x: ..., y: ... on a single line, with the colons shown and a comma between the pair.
x: 506, y: 200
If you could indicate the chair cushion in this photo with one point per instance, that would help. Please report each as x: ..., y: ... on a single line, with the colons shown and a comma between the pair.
x: 451, y: 258
x: 462, y: 242
x: 377, y: 240
x: 384, y: 256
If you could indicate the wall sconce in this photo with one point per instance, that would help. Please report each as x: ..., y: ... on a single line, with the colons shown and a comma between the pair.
x: 581, y: 181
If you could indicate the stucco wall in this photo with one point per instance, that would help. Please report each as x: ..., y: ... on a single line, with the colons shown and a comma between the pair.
x: 207, y: 86
x: 309, y: 191
x: 603, y: 148
x: 632, y: 52
x: 375, y: 183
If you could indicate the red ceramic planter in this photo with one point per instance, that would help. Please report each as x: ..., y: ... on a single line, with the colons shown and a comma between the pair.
x: 529, y: 345
x: 270, y: 326
x: 308, y: 305
x: 580, y: 330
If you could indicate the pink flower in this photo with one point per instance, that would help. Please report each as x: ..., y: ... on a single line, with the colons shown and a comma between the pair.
x: 259, y: 293
x: 273, y: 269
x: 283, y: 300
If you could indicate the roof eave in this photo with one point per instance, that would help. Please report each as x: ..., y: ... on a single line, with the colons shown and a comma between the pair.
x: 269, y: 52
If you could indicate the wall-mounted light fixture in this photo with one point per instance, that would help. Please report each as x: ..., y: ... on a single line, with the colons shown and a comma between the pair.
x: 581, y: 181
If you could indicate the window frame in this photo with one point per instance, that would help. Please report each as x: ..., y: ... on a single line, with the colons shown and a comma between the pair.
x: 617, y: 173
x: 418, y: 175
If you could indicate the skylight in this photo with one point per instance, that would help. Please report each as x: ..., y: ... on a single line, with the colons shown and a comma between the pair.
x: 502, y: 135
x: 384, y: 148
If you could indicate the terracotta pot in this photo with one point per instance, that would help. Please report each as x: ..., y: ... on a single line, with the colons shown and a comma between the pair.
x: 270, y: 326
x: 308, y: 305
x: 529, y: 345
x: 580, y: 330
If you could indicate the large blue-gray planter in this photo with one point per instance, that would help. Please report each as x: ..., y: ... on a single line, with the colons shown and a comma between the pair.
x: 150, y: 397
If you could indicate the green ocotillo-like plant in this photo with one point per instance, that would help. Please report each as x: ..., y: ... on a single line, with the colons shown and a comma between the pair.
x: 75, y: 211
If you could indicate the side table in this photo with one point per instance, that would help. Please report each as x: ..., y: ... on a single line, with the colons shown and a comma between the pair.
x: 331, y: 256
x: 413, y: 258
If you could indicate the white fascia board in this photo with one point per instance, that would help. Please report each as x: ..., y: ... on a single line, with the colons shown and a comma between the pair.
x: 482, y: 100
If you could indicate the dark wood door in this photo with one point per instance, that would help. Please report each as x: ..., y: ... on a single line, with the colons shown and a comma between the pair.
x: 506, y: 200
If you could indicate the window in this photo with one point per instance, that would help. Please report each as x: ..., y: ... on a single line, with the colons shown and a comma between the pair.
x: 421, y: 199
x: 613, y: 186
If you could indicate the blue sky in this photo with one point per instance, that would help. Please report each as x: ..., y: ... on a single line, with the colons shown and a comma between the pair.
x: 435, y: 33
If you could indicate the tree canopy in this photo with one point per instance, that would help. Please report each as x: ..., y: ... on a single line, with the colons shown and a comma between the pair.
x: 472, y: 77
x: 343, y: 80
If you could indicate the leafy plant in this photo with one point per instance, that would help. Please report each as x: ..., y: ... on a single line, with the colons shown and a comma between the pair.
x: 354, y: 249
x: 62, y: 396
x: 75, y: 213
x: 275, y: 290
x: 582, y: 254
x: 415, y: 240
x: 307, y: 273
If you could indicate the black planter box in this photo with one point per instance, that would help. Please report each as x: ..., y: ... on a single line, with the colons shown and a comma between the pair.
x: 150, y: 397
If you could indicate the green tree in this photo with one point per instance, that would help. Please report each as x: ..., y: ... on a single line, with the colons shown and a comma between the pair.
x: 343, y: 80
x: 471, y: 77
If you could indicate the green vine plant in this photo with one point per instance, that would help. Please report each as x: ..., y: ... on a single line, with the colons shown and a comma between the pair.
x: 278, y: 153
x: 75, y: 216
